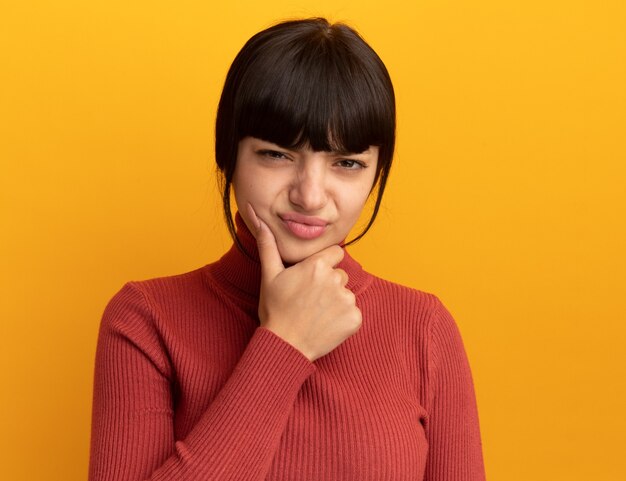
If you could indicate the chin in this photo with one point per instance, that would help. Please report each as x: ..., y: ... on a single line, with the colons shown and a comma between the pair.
x: 294, y: 252
x: 293, y: 256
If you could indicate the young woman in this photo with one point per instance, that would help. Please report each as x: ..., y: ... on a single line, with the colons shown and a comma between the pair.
x: 284, y: 360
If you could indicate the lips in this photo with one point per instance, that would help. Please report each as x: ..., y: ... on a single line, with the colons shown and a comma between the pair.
x: 304, y: 226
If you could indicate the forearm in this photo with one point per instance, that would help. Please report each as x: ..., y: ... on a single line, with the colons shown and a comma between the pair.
x: 133, y: 420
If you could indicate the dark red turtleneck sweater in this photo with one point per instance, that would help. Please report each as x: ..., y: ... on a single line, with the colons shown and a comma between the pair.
x: 189, y: 387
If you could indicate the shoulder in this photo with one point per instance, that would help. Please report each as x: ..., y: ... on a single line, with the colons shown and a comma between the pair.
x: 409, y: 306
x: 140, y: 300
x: 423, y: 316
x: 410, y: 300
x: 170, y: 287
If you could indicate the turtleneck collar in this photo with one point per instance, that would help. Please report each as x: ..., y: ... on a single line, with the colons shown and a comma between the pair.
x: 240, y: 275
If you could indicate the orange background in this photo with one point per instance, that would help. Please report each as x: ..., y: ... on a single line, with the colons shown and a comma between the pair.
x: 507, y: 200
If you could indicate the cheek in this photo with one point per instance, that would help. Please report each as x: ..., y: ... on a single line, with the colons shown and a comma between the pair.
x: 252, y: 188
x: 243, y: 183
x: 355, y: 203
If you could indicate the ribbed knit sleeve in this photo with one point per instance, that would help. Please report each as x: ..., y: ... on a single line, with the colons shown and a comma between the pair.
x: 455, y: 451
x: 132, y: 422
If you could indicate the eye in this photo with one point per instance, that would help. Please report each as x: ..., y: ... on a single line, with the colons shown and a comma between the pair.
x: 272, y: 154
x: 350, y: 164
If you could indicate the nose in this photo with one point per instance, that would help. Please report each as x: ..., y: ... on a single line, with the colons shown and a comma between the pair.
x: 308, y: 190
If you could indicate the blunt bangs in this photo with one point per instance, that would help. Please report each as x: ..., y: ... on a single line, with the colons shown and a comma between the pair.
x: 315, y: 92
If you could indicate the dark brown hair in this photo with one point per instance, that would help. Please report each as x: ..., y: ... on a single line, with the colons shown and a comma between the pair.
x: 306, y: 83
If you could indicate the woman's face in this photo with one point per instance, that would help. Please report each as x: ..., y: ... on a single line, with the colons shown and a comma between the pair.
x: 309, y: 200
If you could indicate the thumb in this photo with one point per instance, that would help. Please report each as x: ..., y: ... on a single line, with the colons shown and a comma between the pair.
x: 271, y: 262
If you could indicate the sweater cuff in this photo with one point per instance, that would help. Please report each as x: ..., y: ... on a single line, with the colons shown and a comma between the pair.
x: 266, y: 380
x: 275, y: 361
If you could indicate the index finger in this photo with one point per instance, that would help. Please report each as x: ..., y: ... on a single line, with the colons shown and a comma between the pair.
x: 271, y: 262
x: 332, y: 255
